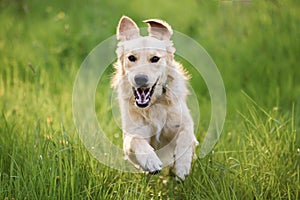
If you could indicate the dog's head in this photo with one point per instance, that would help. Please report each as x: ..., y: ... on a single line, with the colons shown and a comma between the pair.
x: 144, y: 60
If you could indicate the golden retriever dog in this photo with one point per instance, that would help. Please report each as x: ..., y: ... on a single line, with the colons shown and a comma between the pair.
x: 157, y: 127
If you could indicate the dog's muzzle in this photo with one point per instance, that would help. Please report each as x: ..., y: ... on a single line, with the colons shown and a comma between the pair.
x: 143, y: 95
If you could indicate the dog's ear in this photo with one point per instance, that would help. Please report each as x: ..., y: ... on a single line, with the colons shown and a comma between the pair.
x: 159, y: 29
x: 127, y: 29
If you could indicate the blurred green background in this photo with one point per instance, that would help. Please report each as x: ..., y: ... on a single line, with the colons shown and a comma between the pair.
x: 256, y: 46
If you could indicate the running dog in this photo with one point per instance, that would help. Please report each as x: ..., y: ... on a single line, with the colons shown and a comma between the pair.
x: 158, y: 129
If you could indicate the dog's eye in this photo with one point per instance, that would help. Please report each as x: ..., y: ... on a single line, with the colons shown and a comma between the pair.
x: 154, y: 59
x: 132, y: 58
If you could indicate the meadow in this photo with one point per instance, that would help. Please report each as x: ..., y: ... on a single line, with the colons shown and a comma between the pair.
x: 256, y: 47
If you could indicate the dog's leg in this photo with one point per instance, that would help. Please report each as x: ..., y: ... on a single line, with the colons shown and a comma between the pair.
x: 139, y: 152
x: 185, y: 145
x: 183, y: 153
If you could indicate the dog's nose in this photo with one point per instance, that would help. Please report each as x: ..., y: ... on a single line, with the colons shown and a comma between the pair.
x: 141, y: 80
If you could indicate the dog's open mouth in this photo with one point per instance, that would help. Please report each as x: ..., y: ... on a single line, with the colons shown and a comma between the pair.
x: 143, y: 95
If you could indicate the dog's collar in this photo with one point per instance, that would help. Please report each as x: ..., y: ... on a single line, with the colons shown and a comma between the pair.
x: 165, y: 86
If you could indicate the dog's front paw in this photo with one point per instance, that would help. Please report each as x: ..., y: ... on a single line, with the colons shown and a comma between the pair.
x: 150, y: 162
x: 153, y: 164
x: 181, y: 171
x: 182, y: 166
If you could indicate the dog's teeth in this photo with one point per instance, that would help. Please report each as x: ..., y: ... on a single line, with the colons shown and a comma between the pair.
x: 143, y: 95
x: 148, y: 94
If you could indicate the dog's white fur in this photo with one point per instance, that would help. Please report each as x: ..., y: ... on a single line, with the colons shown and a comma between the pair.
x: 161, y: 134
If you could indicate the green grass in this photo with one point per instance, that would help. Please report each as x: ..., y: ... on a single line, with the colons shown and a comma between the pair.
x: 256, y: 47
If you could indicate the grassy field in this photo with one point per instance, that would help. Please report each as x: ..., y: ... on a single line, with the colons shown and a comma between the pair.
x: 256, y: 46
